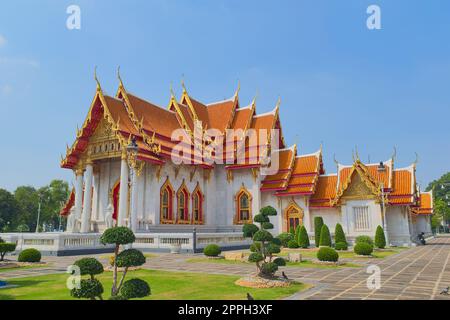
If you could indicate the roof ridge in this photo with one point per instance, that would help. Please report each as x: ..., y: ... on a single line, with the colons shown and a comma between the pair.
x: 220, y: 101
x: 153, y: 104
x: 266, y: 113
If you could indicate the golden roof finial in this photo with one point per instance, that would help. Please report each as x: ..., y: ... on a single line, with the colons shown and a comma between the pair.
x: 99, y: 88
x: 321, y: 147
x: 238, y: 88
x: 356, y: 153
x: 182, y: 84
x: 394, y: 155
x: 278, y: 102
x: 416, y: 160
x: 172, y: 93
x: 118, y: 76
x: 254, y: 99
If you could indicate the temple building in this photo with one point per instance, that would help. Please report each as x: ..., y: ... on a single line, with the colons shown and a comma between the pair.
x: 125, y: 174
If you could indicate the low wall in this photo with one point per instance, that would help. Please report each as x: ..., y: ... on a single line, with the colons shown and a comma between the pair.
x: 64, y: 244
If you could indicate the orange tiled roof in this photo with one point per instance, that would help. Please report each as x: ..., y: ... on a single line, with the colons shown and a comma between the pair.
x: 69, y: 204
x: 325, y: 191
x: 286, y: 160
x: 426, y: 203
x: 403, y: 191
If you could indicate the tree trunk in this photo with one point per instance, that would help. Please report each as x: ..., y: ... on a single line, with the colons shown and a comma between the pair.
x: 123, y: 277
x: 114, y: 285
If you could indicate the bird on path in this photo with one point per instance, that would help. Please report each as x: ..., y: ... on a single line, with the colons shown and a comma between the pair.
x: 445, y: 291
x: 284, y: 275
x: 250, y: 297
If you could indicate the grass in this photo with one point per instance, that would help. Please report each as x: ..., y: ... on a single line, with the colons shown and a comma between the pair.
x: 311, y: 253
x: 165, y: 285
x: 8, y: 269
x: 304, y: 263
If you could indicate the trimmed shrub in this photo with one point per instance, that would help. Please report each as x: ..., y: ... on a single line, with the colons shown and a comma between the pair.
x: 255, y: 247
x: 269, y: 268
x: 341, y: 246
x: 272, y: 248
x: 276, y: 241
x: 90, y: 266
x: 292, y: 231
x: 327, y: 254
x: 255, y: 257
x: 285, y: 237
x: 249, y: 229
x: 130, y: 258
x: 89, y: 289
x: 325, y: 237
x: 318, y: 223
x: 339, y: 235
x: 212, y: 250
x: 363, y: 249
x: 117, y: 235
x: 303, y: 238
x: 260, y: 218
x: 279, y: 262
x: 365, y: 239
x: 262, y: 235
x: 117, y: 298
x: 267, y: 225
x: 6, y: 247
x: 292, y: 244
x: 297, y: 233
x: 29, y: 255
x: 135, y: 288
x: 268, y: 211
x: 380, y: 239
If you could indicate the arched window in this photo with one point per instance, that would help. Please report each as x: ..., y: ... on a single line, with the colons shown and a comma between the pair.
x: 183, y: 204
x: 243, y: 207
x: 197, y: 206
x: 294, y: 216
x: 166, y: 201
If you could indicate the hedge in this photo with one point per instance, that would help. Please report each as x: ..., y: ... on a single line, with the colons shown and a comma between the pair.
x: 29, y: 255
x: 363, y: 249
x: 327, y: 254
x: 380, y: 239
x: 339, y: 235
x: 325, y: 237
x: 212, y: 250
x: 303, y: 238
x: 318, y: 223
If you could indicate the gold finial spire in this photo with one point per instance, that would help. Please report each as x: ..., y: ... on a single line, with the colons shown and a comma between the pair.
x: 99, y: 88
x: 254, y: 99
x: 394, y: 155
x: 238, y: 88
x: 118, y: 76
x: 321, y: 147
x: 182, y: 84
x: 416, y: 160
x: 278, y: 102
x: 172, y: 93
x: 356, y: 153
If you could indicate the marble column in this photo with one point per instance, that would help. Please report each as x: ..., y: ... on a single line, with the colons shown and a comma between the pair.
x: 87, y: 204
x: 133, y: 204
x: 123, y: 191
x: 78, y: 198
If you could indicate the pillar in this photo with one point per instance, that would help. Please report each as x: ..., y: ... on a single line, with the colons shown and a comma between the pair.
x: 87, y: 204
x: 133, y: 207
x: 123, y: 191
x: 78, y: 198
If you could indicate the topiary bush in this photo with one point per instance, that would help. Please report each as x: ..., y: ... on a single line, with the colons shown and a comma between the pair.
x: 292, y: 231
x: 117, y: 236
x: 365, y: 239
x: 249, y: 229
x: 285, y: 237
x: 292, y: 244
x: 255, y: 257
x: 118, y: 297
x: 269, y: 268
x: 325, y: 236
x: 89, y: 266
x: 130, y: 258
x: 341, y: 246
x: 297, y: 233
x: 303, y: 238
x: 380, y: 239
x: 29, y: 255
x: 255, y: 247
x: 363, y: 249
x: 318, y: 223
x: 135, y: 288
x: 339, y: 235
x: 6, y: 247
x: 212, y: 250
x: 327, y: 254
x: 279, y: 262
x: 89, y: 289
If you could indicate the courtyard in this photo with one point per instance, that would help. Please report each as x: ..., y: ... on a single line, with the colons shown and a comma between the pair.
x: 417, y: 273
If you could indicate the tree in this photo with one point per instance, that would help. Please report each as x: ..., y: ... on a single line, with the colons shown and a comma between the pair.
x: 264, y: 244
x: 6, y: 247
x: 8, y: 210
x: 318, y: 223
x: 325, y: 237
x: 27, y: 198
x: 303, y: 238
x: 441, y: 195
x: 125, y: 259
x: 89, y: 288
x: 339, y: 235
x: 380, y: 239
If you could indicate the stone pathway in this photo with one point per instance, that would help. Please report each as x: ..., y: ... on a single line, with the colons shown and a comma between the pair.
x: 418, y: 273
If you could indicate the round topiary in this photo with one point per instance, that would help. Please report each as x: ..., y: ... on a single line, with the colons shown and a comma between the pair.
x: 273, y: 248
x: 285, y: 237
x: 267, y: 225
x: 318, y: 223
x: 292, y: 244
x: 135, y: 288
x: 118, y: 297
x: 327, y: 254
x: 260, y: 218
x: 279, y: 262
x: 269, y: 268
x: 255, y: 247
x: 117, y: 235
x: 380, y: 239
x: 297, y: 233
x: 303, y: 238
x: 262, y: 235
x: 276, y: 241
x: 363, y: 249
x: 212, y: 250
x: 255, y: 257
x: 339, y: 235
x: 89, y: 289
x: 365, y: 239
x: 29, y: 255
x: 325, y: 236
x: 249, y: 229
x: 6, y: 247
x: 341, y: 246
x: 90, y: 266
x: 130, y: 258
x: 268, y: 211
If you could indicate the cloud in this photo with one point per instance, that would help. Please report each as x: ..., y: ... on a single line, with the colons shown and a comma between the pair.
x: 2, y: 40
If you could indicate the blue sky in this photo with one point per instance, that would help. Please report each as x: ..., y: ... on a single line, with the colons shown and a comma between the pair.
x: 340, y: 83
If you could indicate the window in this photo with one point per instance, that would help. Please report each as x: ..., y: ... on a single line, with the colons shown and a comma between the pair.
x: 362, y: 218
x: 243, y: 206
x: 183, y: 210
x: 294, y: 216
x: 166, y: 200
x: 197, y: 206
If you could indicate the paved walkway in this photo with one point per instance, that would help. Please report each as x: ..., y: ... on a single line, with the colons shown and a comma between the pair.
x: 418, y: 273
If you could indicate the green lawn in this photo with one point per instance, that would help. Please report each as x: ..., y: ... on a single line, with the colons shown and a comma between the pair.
x: 311, y: 253
x: 23, y: 267
x: 165, y: 285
